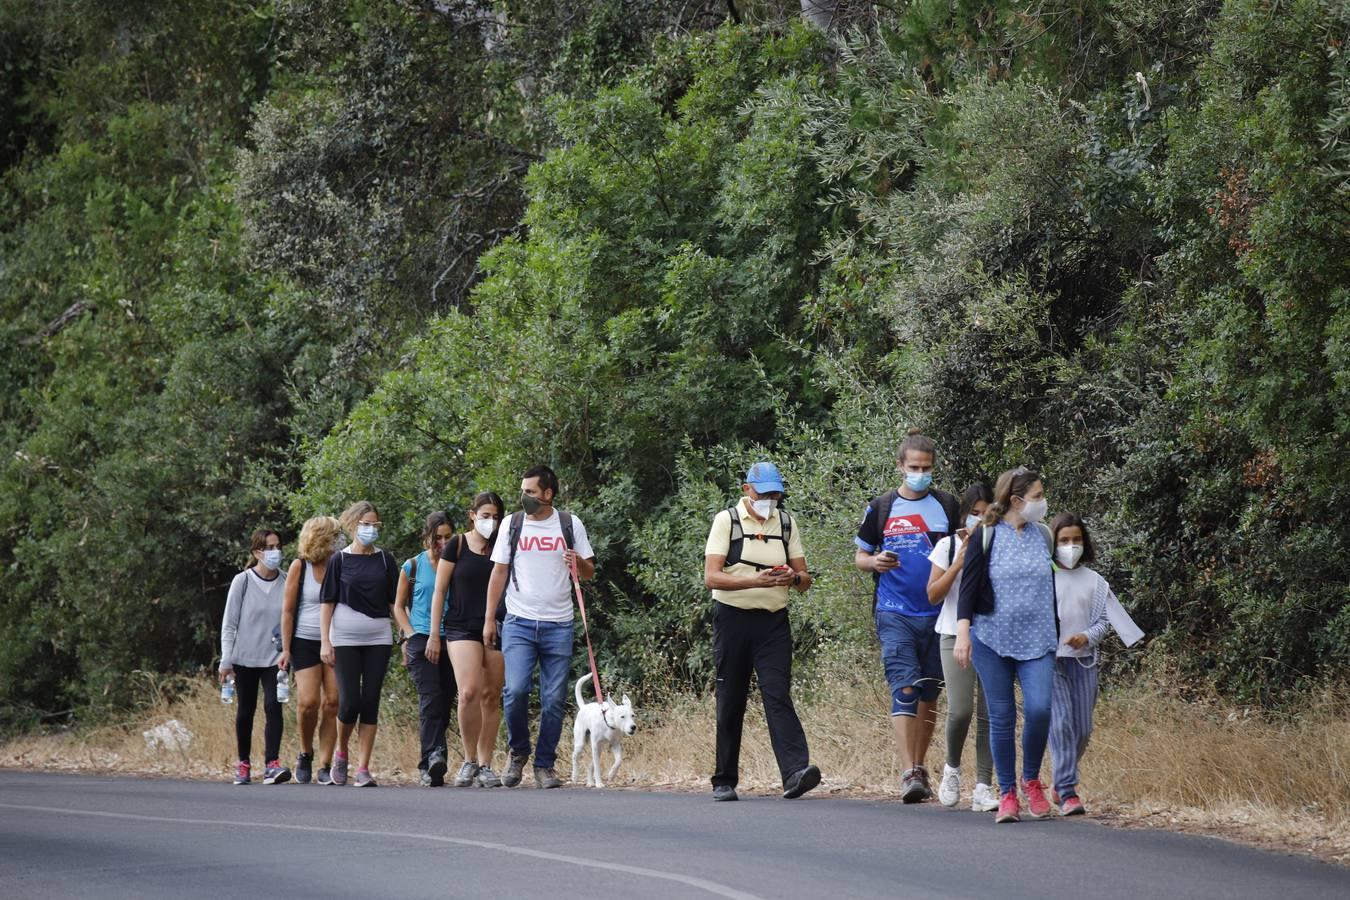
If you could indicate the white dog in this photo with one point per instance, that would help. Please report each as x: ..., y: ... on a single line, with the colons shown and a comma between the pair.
x: 607, y: 724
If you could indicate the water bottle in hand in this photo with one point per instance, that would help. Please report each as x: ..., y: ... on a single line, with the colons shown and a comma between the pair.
x: 283, y: 686
x: 227, y: 690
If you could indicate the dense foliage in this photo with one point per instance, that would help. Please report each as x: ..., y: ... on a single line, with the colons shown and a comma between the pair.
x: 258, y: 259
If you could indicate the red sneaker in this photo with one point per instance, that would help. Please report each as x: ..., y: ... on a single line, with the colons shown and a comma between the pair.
x: 1037, y: 805
x: 1071, y: 806
x: 241, y: 773
x: 1009, y: 809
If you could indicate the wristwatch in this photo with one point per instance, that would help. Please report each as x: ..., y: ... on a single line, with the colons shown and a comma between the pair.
x: 797, y: 580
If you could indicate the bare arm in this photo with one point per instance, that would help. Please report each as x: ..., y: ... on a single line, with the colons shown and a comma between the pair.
x: 940, y: 580
x: 804, y: 579
x: 868, y: 561
x: 402, y: 598
x: 444, y: 569
x: 290, y: 601
x: 496, y: 588
x: 325, y: 644
x: 717, y: 580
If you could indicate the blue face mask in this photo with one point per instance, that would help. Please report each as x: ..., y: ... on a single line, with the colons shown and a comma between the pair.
x: 367, y: 534
x: 272, y: 559
x: 971, y: 522
x: 918, y: 481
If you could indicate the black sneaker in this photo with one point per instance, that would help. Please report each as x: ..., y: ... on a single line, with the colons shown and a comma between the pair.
x: 276, y: 773
x: 724, y: 792
x: 546, y: 777
x: 424, y: 778
x: 515, y: 770
x: 800, y: 782
x: 436, y: 769
x: 325, y: 776
x: 304, y: 768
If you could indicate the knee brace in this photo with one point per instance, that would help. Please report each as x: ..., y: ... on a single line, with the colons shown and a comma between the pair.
x: 905, y: 701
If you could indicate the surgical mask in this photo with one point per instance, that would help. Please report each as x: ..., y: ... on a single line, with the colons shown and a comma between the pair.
x: 272, y: 559
x: 918, y: 481
x: 367, y: 534
x: 1069, y: 554
x: 485, y: 527
x: 530, y: 504
x: 971, y: 522
x: 1034, y: 510
x: 763, y: 508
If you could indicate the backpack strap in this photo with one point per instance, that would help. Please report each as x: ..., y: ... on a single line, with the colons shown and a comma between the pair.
x: 951, y: 549
x: 568, y: 529
x: 513, y: 536
x: 412, y: 574
x: 736, y: 543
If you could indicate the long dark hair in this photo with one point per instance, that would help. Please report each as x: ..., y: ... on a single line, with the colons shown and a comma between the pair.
x: 434, y: 521
x: 976, y: 492
x: 482, y: 499
x: 258, y: 542
x: 1073, y: 520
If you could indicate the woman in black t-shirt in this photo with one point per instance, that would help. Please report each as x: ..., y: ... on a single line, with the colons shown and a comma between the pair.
x: 461, y: 600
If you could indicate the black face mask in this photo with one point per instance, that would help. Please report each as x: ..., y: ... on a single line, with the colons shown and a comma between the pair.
x: 530, y: 504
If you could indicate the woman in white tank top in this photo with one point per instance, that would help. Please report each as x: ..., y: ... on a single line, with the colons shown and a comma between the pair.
x: 315, y: 682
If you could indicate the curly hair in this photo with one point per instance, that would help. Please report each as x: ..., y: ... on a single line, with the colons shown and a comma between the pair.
x: 317, y: 538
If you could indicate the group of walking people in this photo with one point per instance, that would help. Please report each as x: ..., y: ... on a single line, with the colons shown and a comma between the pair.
x: 975, y: 594
x: 477, y: 613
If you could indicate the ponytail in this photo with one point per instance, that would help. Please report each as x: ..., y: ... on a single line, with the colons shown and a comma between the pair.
x: 1012, y: 483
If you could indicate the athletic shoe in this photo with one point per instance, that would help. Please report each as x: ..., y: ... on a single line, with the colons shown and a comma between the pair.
x: 339, y: 770
x: 241, y: 773
x: 467, y: 772
x: 800, y: 782
x: 546, y: 778
x: 424, y: 778
x: 364, y: 779
x: 487, y: 778
x: 927, y: 785
x: 1054, y: 796
x: 304, y: 768
x: 911, y: 787
x: 515, y: 770
x: 1037, y: 805
x: 949, y: 792
x: 724, y: 792
x: 325, y: 775
x: 1009, y: 809
x: 276, y: 773
x: 1071, y: 806
x: 436, y: 769
x: 985, y: 799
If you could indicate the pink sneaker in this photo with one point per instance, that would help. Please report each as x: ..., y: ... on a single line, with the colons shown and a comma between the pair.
x: 1009, y: 809
x: 1037, y: 805
x: 241, y: 773
x: 1071, y: 806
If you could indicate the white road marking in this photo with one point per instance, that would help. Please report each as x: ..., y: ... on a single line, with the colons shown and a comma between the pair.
x: 712, y: 887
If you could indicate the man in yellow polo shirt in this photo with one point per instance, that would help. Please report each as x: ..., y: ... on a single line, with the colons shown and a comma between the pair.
x: 752, y: 563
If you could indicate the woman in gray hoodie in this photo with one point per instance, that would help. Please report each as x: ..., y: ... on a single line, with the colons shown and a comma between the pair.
x: 249, y: 655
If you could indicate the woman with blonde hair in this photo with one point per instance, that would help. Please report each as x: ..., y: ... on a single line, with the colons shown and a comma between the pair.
x: 357, y: 600
x: 301, y: 639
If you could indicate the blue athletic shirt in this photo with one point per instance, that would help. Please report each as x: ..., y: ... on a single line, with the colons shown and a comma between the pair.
x: 906, y: 534
x: 423, y: 592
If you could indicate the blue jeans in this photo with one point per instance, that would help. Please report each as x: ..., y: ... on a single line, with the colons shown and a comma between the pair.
x: 525, y: 644
x: 1037, y: 677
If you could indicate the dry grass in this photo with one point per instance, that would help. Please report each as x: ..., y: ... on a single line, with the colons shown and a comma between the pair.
x: 1155, y: 761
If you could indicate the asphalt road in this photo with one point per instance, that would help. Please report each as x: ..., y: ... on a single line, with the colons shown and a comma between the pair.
x: 78, y: 836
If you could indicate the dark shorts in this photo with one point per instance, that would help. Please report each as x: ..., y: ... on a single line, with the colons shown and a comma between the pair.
x: 912, y: 657
x: 463, y: 631
x: 304, y: 654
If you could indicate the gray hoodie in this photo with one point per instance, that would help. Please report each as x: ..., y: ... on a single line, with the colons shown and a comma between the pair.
x: 252, y: 610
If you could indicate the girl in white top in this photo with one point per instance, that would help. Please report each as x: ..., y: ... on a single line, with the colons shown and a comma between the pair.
x: 944, y: 586
x: 1086, y: 610
x: 315, y: 681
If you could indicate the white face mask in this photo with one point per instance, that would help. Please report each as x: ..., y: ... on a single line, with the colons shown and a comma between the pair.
x: 971, y: 522
x: 485, y: 527
x: 1034, y: 510
x: 1069, y: 554
x: 763, y: 508
x: 367, y: 534
x: 272, y: 559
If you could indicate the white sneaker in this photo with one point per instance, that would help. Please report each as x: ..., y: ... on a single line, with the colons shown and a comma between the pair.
x: 949, y: 792
x: 985, y: 799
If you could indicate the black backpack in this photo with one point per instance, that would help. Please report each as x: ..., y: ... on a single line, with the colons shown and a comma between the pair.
x: 738, y: 537
x: 513, y: 535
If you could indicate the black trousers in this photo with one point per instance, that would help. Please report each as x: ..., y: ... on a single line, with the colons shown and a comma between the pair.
x: 360, y: 677
x: 758, y: 641
x: 435, y: 696
x: 247, y: 680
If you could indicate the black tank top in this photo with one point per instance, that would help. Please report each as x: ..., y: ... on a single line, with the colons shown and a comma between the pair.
x: 469, y: 584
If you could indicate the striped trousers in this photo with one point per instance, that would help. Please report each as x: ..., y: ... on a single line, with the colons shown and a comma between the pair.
x: 1072, y: 699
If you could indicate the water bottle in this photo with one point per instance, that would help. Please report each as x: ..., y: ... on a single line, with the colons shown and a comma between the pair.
x: 283, y: 686
x: 227, y: 690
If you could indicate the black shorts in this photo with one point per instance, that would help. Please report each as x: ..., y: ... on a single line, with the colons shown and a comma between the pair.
x: 304, y: 654
x: 463, y: 631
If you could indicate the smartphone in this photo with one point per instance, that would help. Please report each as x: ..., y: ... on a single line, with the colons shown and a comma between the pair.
x: 888, y: 554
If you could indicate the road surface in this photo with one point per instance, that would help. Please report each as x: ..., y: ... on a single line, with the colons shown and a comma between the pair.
x: 82, y: 836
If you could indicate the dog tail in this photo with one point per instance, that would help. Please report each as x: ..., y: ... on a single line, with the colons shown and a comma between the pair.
x: 576, y: 689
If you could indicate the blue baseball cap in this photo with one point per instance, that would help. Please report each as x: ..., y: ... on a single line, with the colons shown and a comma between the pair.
x: 764, y: 478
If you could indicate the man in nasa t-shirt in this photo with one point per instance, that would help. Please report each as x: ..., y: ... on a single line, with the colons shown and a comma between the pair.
x: 538, y: 627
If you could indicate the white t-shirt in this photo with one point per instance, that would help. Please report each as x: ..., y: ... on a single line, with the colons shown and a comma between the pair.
x: 941, y: 558
x: 545, y: 584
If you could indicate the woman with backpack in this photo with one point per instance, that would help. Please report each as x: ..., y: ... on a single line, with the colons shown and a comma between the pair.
x: 357, y: 600
x: 301, y: 641
x: 428, y: 667
x: 248, y: 653
x: 1007, y: 624
x: 460, y: 604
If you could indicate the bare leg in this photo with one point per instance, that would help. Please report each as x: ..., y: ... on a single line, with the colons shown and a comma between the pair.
x: 308, y: 684
x: 921, y: 731
x: 328, y: 716
x: 466, y: 657
x: 494, y: 676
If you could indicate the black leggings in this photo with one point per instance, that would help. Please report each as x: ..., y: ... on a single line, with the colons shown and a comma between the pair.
x: 360, y: 677
x: 246, y: 682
